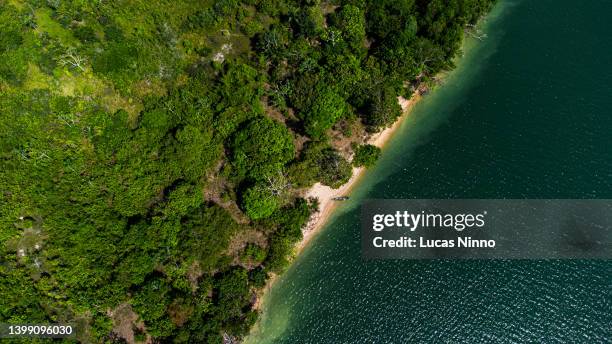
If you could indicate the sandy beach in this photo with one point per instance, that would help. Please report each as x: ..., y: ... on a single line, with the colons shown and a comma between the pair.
x: 325, y: 194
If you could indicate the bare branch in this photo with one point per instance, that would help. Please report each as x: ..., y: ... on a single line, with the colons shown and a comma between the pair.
x: 71, y: 59
x: 475, y: 32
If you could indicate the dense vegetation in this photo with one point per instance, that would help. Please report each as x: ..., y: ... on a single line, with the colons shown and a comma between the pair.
x: 366, y: 155
x: 154, y: 152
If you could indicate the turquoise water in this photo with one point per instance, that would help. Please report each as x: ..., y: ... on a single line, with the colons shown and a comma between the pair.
x: 527, y: 114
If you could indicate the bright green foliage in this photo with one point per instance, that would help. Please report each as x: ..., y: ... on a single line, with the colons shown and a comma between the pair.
x: 259, y: 202
x: 351, y: 21
x: 320, y: 106
x: 366, y: 155
x: 261, y: 149
x: 195, y: 153
x: 326, y: 108
x: 347, y: 73
x: 240, y: 85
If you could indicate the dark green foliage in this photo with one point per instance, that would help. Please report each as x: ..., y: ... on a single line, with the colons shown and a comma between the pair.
x: 258, y: 277
x: 231, y: 300
x: 152, y: 301
x: 280, y: 251
x: 335, y: 170
x: 253, y: 253
x: 204, y: 235
x: 320, y: 162
x: 382, y: 110
x: 290, y: 219
x: 309, y: 21
x: 113, y: 33
x: 366, y: 155
x: 118, y: 57
x: 388, y: 17
x: 288, y: 223
x: 13, y: 60
x: 303, y: 91
x: 202, y: 19
x: 11, y: 30
x: 231, y: 293
x: 85, y: 34
x: 273, y: 42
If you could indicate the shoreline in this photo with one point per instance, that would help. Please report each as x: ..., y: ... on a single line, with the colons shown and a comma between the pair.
x: 325, y: 193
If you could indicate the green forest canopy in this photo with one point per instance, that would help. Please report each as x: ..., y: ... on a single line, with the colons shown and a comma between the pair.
x: 153, y: 151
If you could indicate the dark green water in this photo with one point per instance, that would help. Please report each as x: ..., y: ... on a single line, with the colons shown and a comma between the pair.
x: 527, y: 114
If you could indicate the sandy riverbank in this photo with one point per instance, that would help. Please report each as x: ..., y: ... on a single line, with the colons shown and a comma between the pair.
x: 325, y: 194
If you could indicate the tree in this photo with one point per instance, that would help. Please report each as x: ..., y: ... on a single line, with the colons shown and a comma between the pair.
x: 382, y: 109
x: 322, y: 111
x: 366, y: 155
x: 196, y: 150
x: 240, y: 85
x: 231, y: 294
x: 388, y: 17
x: 258, y: 202
x: 261, y: 149
x: 346, y: 73
x: 279, y: 253
x: 205, y: 234
x: 253, y: 254
x: 112, y: 128
x: 351, y: 21
x: 310, y: 21
x: 72, y: 60
x: 335, y: 170
x: 320, y: 162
